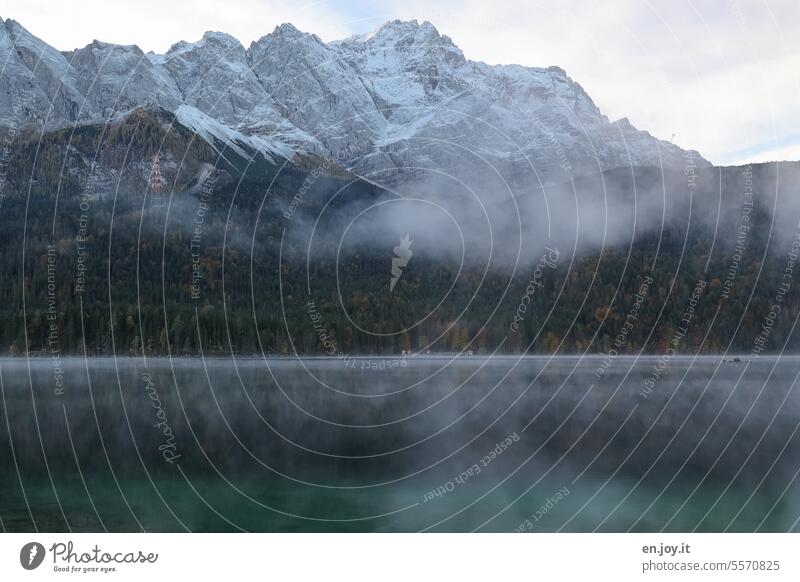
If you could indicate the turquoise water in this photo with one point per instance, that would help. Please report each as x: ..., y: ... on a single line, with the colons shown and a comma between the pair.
x: 435, y: 444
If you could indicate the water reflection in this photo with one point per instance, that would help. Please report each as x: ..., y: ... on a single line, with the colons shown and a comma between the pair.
x: 321, y: 444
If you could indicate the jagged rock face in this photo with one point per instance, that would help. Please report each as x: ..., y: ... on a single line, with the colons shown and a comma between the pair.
x: 407, y: 64
x: 116, y: 79
x: 36, y: 86
x: 218, y: 61
x: 389, y: 104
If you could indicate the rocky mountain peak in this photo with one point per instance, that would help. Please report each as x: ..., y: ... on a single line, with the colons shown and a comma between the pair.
x: 289, y: 32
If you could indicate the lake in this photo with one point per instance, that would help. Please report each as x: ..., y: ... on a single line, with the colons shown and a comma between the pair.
x: 432, y: 443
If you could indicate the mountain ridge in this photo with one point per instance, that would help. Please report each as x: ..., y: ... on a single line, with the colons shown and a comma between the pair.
x: 391, y: 104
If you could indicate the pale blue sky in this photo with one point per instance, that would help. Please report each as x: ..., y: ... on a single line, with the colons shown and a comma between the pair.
x: 723, y: 76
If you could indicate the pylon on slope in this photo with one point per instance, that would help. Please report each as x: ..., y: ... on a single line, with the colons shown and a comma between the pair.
x: 156, y: 183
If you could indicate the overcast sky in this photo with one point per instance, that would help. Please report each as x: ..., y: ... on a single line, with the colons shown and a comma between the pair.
x: 723, y: 76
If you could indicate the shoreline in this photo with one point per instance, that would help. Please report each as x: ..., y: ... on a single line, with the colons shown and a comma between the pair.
x: 277, y: 357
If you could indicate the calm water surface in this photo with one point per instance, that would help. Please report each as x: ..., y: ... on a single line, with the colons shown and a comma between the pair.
x: 494, y: 444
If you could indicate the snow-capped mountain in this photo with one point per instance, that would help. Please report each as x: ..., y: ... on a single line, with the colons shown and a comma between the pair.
x: 392, y: 103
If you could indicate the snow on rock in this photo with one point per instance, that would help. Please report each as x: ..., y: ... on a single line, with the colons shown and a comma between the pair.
x: 316, y: 90
x: 119, y: 78
x: 35, y: 85
x: 222, y: 136
x: 401, y: 97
